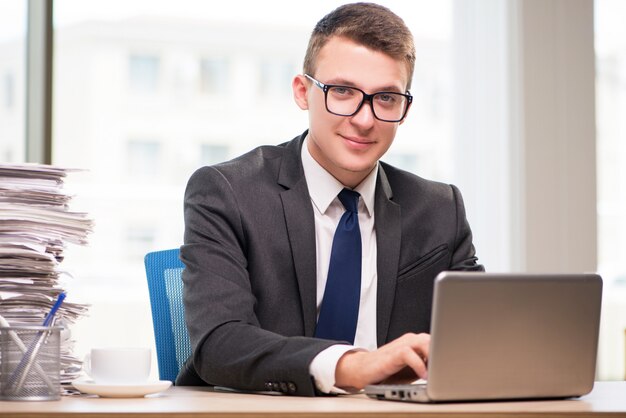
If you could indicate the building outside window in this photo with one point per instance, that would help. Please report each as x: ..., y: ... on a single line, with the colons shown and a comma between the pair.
x: 131, y: 86
x: 143, y: 73
x: 212, y: 154
x: 275, y: 78
x: 138, y: 237
x: 405, y: 161
x: 213, y: 76
x: 143, y: 159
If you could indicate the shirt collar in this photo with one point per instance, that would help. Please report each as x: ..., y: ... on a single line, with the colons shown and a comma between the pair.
x: 324, y: 188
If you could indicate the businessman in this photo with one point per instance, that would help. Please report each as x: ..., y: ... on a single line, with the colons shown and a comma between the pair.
x: 310, y: 265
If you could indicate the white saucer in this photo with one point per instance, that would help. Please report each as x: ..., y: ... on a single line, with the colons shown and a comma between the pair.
x: 120, y: 391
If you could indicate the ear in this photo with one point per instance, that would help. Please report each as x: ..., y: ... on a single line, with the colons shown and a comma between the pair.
x: 300, y: 88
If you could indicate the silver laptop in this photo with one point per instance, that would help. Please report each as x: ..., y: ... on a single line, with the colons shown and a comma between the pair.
x: 508, y: 336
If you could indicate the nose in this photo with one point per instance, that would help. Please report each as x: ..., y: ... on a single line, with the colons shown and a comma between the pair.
x: 364, y: 117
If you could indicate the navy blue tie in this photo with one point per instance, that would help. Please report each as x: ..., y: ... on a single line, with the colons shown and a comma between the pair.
x: 340, y: 306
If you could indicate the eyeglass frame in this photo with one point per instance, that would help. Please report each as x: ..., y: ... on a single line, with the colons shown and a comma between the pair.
x: 366, y: 98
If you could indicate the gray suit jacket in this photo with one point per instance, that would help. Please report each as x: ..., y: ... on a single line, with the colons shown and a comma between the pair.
x: 250, y: 276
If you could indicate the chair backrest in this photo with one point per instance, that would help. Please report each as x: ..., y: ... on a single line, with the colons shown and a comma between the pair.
x: 164, y: 270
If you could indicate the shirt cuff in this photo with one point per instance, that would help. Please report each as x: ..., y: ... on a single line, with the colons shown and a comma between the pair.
x: 323, y: 366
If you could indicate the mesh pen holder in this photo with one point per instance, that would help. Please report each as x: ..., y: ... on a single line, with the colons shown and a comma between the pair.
x: 30, y: 363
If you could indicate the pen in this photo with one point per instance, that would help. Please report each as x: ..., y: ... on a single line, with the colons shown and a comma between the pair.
x: 53, y: 311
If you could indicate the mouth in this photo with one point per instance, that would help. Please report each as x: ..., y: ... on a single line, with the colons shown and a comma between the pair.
x: 357, y: 142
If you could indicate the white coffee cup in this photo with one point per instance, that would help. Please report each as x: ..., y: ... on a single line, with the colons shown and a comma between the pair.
x: 118, y: 366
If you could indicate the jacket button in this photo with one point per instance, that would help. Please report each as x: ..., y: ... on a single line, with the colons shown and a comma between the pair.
x: 291, y: 387
x: 283, y: 387
x: 268, y: 385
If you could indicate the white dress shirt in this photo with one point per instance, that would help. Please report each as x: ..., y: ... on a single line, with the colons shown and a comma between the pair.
x: 323, y: 189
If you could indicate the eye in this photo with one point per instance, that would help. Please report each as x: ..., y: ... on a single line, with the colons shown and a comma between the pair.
x: 387, y: 98
x: 341, y: 91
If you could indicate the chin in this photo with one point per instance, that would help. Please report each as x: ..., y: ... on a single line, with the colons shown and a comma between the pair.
x: 364, y: 168
x: 360, y: 163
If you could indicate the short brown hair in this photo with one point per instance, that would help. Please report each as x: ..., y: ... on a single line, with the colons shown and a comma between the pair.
x: 368, y: 24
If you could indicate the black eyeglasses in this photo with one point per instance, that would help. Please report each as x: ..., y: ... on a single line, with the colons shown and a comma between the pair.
x: 387, y: 106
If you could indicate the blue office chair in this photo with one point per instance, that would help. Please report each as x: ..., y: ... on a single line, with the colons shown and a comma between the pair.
x: 164, y: 270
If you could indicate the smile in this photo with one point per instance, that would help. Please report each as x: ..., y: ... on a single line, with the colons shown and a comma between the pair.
x: 358, y: 143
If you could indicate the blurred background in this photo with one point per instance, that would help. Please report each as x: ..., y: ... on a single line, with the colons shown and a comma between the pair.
x: 146, y: 92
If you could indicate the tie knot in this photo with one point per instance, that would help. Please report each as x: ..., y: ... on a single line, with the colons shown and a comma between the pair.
x: 349, y: 199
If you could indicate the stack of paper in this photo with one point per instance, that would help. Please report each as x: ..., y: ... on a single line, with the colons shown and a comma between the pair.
x: 35, y: 227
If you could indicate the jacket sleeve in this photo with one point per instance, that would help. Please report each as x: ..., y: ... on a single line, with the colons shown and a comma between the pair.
x: 230, y: 348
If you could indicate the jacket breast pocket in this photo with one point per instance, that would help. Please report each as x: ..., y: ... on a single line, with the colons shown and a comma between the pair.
x: 433, y: 257
x: 414, y: 292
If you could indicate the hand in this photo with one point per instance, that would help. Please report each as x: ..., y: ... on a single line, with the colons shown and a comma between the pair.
x: 400, y: 361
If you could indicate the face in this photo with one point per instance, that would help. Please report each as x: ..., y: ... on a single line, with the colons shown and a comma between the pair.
x: 349, y: 147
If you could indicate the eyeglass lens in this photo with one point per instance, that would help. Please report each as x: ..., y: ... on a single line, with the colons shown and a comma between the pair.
x: 345, y: 101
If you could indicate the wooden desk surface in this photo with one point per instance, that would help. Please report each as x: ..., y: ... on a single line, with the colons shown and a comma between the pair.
x: 607, y: 399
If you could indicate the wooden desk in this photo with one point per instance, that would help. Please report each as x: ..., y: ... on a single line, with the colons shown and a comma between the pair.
x: 607, y: 399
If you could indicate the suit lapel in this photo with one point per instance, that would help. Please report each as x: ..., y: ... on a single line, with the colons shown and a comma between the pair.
x: 388, y: 232
x: 300, y: 222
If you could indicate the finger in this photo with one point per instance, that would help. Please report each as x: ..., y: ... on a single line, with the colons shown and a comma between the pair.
x: 420, y: 343
x: 415, y: 361
x: 424, y: 348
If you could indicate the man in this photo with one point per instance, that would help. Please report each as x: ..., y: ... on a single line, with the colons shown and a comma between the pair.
x: 285, y: 290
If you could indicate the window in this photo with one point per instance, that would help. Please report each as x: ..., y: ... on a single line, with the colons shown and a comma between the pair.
x: 138, y: 238
x: 275, y: 78
x: 212, y: 154
x: 9, y: 91
x: 213, y: 76
x: 123, y: 110
x: 610, y: 45
x: 12, y: 76
x: 143, y: 159
x: 144, y: 73
x: 405, y: 161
